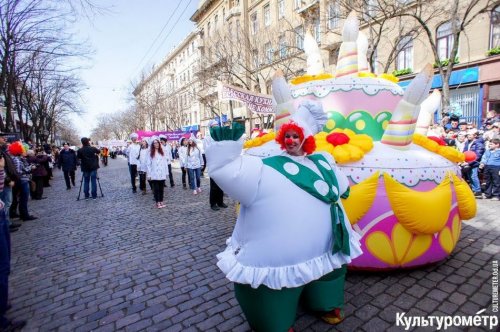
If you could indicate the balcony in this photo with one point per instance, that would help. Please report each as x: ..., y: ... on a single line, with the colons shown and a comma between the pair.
x: 308, y: 8
x: 235, y: 11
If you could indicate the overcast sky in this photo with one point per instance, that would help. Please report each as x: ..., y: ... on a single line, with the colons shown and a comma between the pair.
x: 134, y: 35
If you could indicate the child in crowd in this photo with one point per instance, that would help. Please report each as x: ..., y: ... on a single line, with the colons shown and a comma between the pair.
x: 490, y: 163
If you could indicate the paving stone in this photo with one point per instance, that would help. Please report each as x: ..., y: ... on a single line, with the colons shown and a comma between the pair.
x: 119, y: 264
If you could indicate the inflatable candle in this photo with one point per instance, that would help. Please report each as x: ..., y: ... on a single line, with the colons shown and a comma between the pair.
x: 407, y: 198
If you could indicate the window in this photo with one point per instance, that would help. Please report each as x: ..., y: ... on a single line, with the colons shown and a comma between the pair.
x: 208, y: 29
x: 405, y: 53
x: 281, y: 8
x: 317, y: 30
x: 216, y: 21
x: 255, y: 23
x: 267, y: 15
x: 299, y: 37
x: 371, y: 8
x: 296, y: 4
x: 268, y: 50
x: 333, y: 15
x: 255, y: 54
x: 444, y: 40
x: 495, y: 28
x: 282, y: 46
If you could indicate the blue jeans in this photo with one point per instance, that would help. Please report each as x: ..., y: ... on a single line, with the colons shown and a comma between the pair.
x: 23, y: 199
x: 194, y: 172
x: 476, y: 186
x: 6, y: 197
x: 90, y: 177
x: 4, y: 267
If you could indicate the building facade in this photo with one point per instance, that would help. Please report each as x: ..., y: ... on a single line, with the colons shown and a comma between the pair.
x: 243, y: 42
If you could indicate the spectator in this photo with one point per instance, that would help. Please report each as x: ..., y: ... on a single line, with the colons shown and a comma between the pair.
x: 475, y: 145
x: 490, y: 163
x: 67, y: 160
x: 11, y: 178
x: 38, y: 173
x: 460, y: 141
x: 23, y: 168
x: 5, y: 324
x: 462, y: 126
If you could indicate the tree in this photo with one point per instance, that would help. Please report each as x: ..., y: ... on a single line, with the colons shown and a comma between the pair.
x: 34, y: 47
x: 417, y: 18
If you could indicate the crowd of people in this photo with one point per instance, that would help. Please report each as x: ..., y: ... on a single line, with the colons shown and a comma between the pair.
x: 150, y: 160
x: 481, y: 169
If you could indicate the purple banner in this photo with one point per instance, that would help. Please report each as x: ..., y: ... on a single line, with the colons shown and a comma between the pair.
x: 171, y: 135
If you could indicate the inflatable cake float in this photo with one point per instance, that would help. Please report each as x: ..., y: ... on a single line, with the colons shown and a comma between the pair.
x: 407, y: 199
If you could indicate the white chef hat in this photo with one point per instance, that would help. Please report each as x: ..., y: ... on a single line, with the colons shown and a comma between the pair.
x: 310, y: 117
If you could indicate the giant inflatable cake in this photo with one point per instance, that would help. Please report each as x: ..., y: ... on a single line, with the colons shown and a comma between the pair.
x: 407, y: 198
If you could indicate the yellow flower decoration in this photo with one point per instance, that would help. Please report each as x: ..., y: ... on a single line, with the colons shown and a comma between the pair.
x: 447, y: 152
x: 258, y: 141
x: 366, y: 74
x: 344, y: 144
x: 307, y: 78
x: 389, y: 77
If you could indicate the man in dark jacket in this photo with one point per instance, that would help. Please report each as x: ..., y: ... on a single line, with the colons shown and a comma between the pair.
x: 475, y: 144
x: 67, y: 161
x: 89, y: 161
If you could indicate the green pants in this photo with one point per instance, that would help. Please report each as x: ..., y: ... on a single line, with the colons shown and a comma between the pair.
x: 269, y: 310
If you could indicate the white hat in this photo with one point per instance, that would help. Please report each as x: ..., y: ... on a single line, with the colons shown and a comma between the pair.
x: 310, y: 116
x: 161, y: 136
x: 134, y: 135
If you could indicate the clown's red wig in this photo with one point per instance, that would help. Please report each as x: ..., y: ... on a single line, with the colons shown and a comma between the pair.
x: 308, y: 146
x: 16, y: 148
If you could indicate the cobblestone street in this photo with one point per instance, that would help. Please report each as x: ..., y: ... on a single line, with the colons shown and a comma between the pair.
x: 118, y: 263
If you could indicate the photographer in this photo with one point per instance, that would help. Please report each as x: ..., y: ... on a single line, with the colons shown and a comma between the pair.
x: 89, y: 157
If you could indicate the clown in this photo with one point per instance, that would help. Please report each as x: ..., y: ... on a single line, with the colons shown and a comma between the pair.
x: 292, y: 238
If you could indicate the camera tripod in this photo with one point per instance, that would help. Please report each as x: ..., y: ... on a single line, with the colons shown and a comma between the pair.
x: 81, y: 182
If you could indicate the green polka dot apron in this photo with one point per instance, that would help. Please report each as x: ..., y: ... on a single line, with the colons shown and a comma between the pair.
x: 324, y: 188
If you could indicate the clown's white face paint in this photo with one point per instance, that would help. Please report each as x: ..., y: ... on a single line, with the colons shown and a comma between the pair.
x: 293, y: 145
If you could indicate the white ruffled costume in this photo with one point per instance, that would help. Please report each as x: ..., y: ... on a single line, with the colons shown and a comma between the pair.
x: 283, y: 235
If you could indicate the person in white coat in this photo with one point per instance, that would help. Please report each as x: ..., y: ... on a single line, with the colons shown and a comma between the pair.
x: 167, y: 149
x: 157, y: 171
x: 143, y: 164
x: 194, y: 163
x: 132, y: 154
x: 292, y: 239
x: 182, y: 160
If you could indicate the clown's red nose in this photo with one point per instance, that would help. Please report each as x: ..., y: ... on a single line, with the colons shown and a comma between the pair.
x: 288, y: 141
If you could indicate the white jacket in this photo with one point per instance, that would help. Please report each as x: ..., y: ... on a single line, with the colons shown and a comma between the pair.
x: 143, y: 160
x: 194, y: 160
x: 157, y: 167
x: 133, y: 153
x: 182, y: 155
x: 167, y: 149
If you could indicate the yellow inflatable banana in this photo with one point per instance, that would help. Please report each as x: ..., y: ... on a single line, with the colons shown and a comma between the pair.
x: 361, y: 198
x: 467, y: 207
x: 412, y: 208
